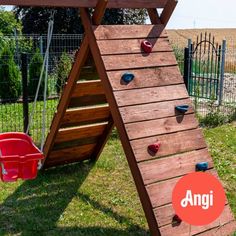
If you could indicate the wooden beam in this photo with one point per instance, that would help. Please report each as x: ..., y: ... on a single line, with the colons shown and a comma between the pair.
x: 154, y: 16
x: 168, y: 11
x: 119, y: 124
x: 87, y: 3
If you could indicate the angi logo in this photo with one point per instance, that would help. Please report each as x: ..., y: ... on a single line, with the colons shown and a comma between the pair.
x: 198, y: 198
x: 205, y: 200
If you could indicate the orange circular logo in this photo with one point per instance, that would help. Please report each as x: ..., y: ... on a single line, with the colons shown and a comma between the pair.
x: 198, y: 198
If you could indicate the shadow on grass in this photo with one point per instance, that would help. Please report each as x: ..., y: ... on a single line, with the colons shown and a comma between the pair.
x: 36, y: 206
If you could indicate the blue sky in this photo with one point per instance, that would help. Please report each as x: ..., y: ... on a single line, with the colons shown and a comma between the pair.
x: 203, y: 14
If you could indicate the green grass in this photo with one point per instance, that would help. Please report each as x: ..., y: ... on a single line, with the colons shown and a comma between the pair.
x: 95, y: 200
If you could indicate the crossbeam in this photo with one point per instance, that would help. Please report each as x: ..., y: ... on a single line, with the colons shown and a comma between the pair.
x: 87, y: 3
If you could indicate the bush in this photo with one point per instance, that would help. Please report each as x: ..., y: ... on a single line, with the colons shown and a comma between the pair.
x: 63, y: 71
x: 35, y: 68
x: 10, y: 77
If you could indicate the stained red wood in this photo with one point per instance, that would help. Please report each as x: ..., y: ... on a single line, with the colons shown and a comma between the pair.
x: 108, y: 32
x: 146, y: 78
x: 153, y: 111
x: 162, y: 126
x: 170, y: 167
x: 168, y: 11
x: 150, y: 95
x: 76, y: 117
x: 129, y: 46
x: 69, y: 134
x: 87, y: 3
x: 179, y: 142
x: 133, y: 61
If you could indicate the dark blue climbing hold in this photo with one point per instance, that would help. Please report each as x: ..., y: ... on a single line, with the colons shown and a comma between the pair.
x: 202, y: 166
x: 128, y: 77
x: 182, y: 109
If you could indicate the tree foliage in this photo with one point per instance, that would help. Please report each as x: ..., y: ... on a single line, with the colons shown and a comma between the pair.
x: 10, y: 77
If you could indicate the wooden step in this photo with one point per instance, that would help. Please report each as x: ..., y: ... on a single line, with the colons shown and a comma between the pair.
x: 86, y: 115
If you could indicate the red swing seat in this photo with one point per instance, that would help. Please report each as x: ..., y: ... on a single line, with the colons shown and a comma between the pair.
x: 19, y: 157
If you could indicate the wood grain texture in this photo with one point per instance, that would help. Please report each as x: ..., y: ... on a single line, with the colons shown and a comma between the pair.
x: 153, y: 111
x: 70, y: 134
x: 82, y: 116
x: 129, y: 46
x: 134, y: 61
x: 179, y: 142
x: 108, y: 32
x: 170, y: 167
x: 146, y: 78
x: 162, y: 126
x: 87, y: 3
x: 150, y: 95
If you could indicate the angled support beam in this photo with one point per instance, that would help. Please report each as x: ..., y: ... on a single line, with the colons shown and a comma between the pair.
x: 168, y: 11
x: 74, y: 75
x: 154, y: 16
x: 119, y: 124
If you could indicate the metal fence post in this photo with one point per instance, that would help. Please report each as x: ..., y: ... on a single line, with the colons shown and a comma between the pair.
x: 186, y: 67
x: 17, y: 47
x: 24, y: 68
x: 41, y: 44
x: 222, y: 72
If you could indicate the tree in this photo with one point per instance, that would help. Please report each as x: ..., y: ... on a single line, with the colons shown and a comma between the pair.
x: 35, y: 68
x: 67, y: 20
x: 10, y: 77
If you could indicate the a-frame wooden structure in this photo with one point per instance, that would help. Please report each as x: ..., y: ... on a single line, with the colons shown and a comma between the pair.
x: 95, y: 98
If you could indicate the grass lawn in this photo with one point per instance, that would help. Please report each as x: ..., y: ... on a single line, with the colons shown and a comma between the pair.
x: 89, y: 200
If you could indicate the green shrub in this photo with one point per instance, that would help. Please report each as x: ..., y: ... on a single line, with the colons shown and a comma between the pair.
x: 10, y: 77
x: 63, y: 70
x: 35, y: 68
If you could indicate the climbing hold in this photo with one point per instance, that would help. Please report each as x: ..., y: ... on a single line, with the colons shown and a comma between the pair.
x: 202, y: 166
x: 183, y: 109
x: 146, y: 46
x: 177, y: 219
x: 154, y: 148
x: 127, y: 77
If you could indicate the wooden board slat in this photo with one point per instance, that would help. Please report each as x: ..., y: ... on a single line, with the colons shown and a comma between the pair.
x: 84, y: 88
x: 109, y: 32
x: 185, y: 229
x: 89, y: 100
x: 86, y: 131
x: 146, y: 78
x: 87, y: 3
x: 82, y: 116
x: 170, y: 167
x: 150, y: 95
x: 153, y: 111
x: 74, y: 152
x: 129, y: 46
x: 162, y: 126
x: 170, y: 144
x: 134, y: 61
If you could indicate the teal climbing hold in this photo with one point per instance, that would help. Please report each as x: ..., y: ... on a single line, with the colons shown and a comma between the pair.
x: 202, y: 166
x: 128, y: 77
x: 182, y: 109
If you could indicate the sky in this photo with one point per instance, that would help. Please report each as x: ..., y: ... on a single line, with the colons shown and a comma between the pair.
x: 191, y: 14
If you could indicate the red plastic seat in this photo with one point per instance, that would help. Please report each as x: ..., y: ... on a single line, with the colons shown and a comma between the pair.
x: 19, y: 157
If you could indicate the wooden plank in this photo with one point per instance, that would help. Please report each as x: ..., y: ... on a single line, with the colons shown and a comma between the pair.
x: 162, y: 126
x: 134, y: 61
x: 146, y: 78
x: 109, y: 32
x: 74, y: 152
x: 89, y: 100
x: 82, y: 116
x: 120, y: 126
x: 70, y: 134
x: 153, y: 111
x: 154, y: 16
x: 84, y: 88
x: 129, y: 46
x: 185, y: 229
x: 86, y: 3
x: 170, y: 167
x: 170, y: 144
x: 150, y: 95
x: 168, y: 11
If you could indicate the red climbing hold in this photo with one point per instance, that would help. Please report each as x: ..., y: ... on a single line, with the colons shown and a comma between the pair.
x: 19, y: 157
x: 177, y: 219
x: 146, y: 46
x: 154, y: 148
